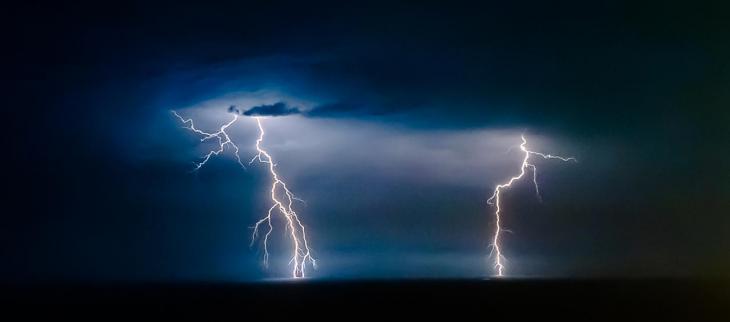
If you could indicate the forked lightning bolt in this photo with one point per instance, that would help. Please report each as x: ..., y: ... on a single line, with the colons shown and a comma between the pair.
x: 282, y: 198
x: 494, y: 200
x: 221, y: 135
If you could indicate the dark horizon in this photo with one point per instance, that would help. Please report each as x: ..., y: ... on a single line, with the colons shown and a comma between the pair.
x: 610, y: 300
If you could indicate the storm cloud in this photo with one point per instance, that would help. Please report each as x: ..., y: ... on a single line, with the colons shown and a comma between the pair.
x: 339, y: 109
x: 399, y: 115
x: 345, y: 109
x: 276, y: 109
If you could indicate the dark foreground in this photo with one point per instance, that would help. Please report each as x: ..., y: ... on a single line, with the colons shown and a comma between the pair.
x: 581, y: 300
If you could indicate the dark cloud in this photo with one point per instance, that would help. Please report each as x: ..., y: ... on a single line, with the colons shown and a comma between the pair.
x: 643, y: 82
x: 234, y: 109
x: 276, y: 109
x: 341, y: 109
x: 345, y: 109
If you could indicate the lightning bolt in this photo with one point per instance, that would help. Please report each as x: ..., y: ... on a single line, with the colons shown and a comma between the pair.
x: 494, y: 200
x: 221, y: 135
x: 282, y: 198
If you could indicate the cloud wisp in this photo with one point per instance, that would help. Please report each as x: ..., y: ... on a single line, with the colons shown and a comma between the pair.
x: 276, y: 109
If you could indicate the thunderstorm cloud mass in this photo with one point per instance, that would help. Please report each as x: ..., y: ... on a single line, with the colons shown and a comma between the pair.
x: 276, y: 109
x: 391, y: 127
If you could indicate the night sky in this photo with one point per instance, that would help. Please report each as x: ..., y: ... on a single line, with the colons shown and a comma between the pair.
x: 402, y: 119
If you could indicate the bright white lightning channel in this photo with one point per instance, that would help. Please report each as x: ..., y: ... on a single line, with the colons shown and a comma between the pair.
x: 494, y: 200
x: 221, y: 135
x: 281, y: 197
x: 301, y: 253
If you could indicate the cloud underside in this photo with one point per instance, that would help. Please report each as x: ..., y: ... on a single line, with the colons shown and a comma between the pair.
x: 276, y: 109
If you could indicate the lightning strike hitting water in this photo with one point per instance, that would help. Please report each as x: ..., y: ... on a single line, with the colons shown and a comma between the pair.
x: 301, y: 252
x: 281, y: 197
x: 495, y: 199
